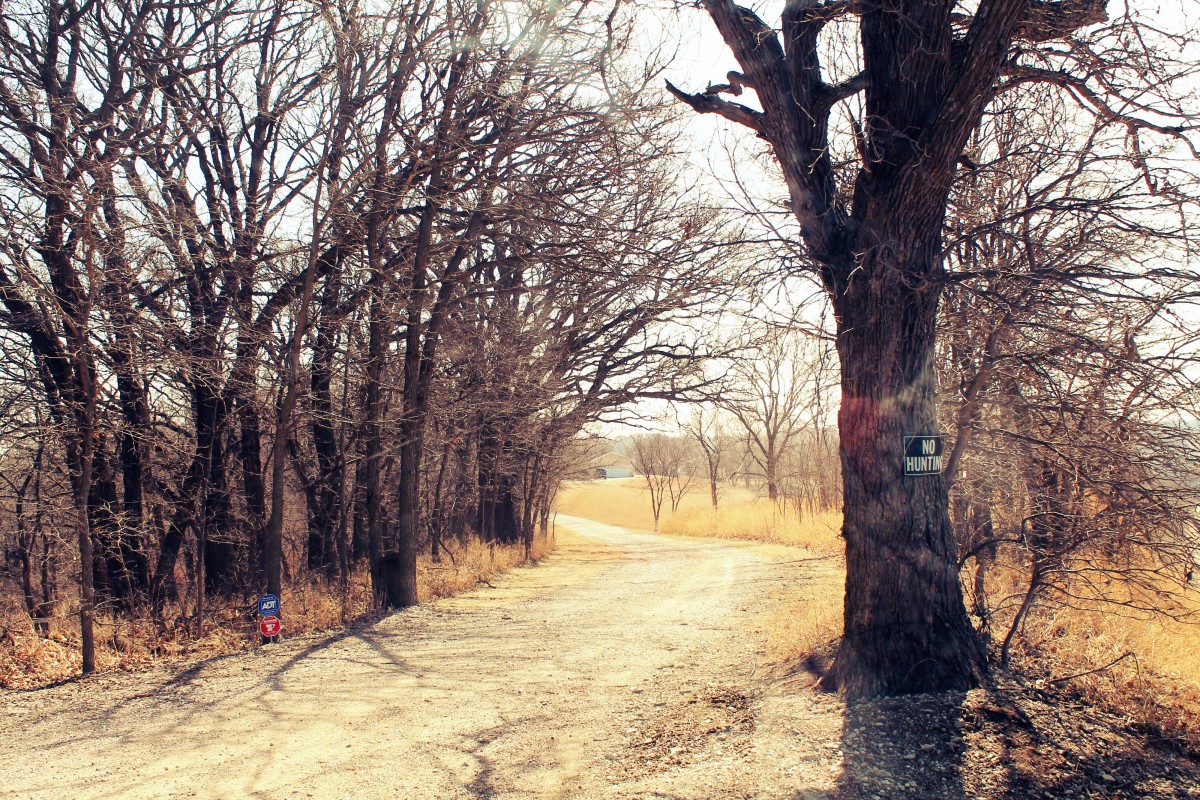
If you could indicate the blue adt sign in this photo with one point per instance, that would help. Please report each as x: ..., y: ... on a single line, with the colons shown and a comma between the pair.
x: 268, y: 605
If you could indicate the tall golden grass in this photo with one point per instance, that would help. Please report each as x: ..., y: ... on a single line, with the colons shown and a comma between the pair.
x: 740, y: 514
x: 763, y: 521
x: 622, y: 501
x: 1144, y: 669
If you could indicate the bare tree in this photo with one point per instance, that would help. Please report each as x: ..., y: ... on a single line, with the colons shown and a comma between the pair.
x: 511, y: 158
x: 706, y: 429
x: 70, y: 88
x: 651, y: 460
x: 681, y: 458
x: 386, y: 259
x: 898, y: 116
x: 1071, y: 462
x: 774, y: 393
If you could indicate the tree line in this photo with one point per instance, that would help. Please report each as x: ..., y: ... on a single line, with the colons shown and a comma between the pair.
x: 376, y: 265
x: 764, y: 421
x: 383, y: 259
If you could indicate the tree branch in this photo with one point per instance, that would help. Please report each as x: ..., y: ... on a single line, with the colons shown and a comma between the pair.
x: 841, y: 91
x: 711, y: 104
x: 1056, y: 19
x: 1089, y: 97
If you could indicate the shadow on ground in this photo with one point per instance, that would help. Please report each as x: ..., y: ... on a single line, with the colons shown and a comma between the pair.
x: 1010, y: 744
x: 903, y: 747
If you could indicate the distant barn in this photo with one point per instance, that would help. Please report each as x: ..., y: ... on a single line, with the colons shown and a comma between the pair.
x: 610, y: 465
x: 603, y: 473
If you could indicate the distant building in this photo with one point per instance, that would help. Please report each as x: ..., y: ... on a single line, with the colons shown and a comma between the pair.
x: 603, y: 473
x: 611, y: 465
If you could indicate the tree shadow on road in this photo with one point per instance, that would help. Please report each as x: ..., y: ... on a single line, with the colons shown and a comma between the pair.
x: 1002, y: 745
x: 903, y: 747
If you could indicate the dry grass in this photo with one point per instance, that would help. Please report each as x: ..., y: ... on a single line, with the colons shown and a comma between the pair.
x: 623, y: 501
x: 741, y: 514
x: 1156, y: 687
x: 1146, y: 670
x: 760, y: 520
x: 805, y: 623
x: 29, y: 661
x: 470, y: 565
x: 122, y: 643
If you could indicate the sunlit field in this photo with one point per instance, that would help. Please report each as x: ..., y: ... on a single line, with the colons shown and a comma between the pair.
x: 741, y: 514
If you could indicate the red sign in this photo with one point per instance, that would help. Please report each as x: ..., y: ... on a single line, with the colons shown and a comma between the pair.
x: 269, y: 626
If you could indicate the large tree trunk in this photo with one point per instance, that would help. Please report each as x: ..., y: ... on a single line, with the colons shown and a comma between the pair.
x: 372, y: 463
x: 196, y: 486
x: 244, y: 399
x: 220, y: 545
x: 771, y: 468
x: 400, y: 583
x: 27, y: 537
x: 80, y: 446
x: 437, y: 515
x: 133, y: 562
x: 254, y: 490
x: 273, y: 540
x: 327, y: 513
x: 878, y: 255
x: 81, y: 480
x: 133, y: 527
x: 360, y: 530
x: 906, y: 629
x: 531, y: 481
x: 110, y: 578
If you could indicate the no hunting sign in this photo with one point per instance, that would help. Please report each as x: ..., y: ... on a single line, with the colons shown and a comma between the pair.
x: 922, y: 454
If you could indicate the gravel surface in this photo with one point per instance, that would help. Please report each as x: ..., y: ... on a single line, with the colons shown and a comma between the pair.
x: 626, y: 665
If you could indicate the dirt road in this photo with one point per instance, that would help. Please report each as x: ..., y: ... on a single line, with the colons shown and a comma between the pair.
x: 626, y: 666
x: 623, y: 666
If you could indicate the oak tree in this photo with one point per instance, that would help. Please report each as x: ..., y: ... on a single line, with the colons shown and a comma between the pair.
x: 869, y: 161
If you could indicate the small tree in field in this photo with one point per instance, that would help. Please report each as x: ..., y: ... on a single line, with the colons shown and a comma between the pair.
x: 665, y: 462
x: 774, y: 395
x: 681, y: 461
x: 706, y: 430
x: 651, y: 459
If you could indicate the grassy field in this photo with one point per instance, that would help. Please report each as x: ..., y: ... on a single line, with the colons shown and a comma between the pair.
x: 741, y: 514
